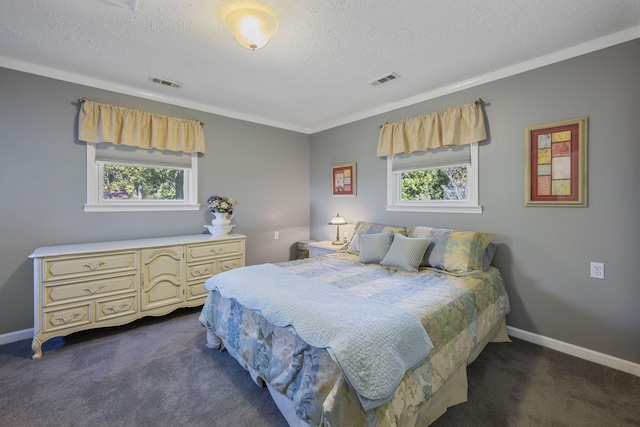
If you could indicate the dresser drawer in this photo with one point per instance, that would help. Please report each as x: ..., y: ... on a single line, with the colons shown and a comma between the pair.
x: 59, y: 268
x: 65, y: 292
x: 196, y: 291
x: 118, y: 307
x: 202, y: 271
x: 197, y: 252
x: 68, y: 317
x: 229, y: 264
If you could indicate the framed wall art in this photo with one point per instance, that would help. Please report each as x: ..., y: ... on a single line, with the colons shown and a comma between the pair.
x: 343, y: 180
x: 556, y: 164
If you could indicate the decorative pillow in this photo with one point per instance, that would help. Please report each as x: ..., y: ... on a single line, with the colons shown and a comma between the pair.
x: 368, y: 228
x: 406, y: 253
x: 373, y: 247
x: 456, y: 251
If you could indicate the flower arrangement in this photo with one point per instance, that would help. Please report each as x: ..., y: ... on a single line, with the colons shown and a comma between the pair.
x: 221, y: 204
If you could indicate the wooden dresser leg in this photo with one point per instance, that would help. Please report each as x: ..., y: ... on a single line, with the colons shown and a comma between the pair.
x: 36, y: 346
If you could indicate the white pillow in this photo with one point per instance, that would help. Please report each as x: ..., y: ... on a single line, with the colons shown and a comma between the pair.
x: 406, y: 253
x: 373, y: 247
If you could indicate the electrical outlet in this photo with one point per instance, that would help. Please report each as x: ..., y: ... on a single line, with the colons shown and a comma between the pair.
x: 276, y: 235
x: 597, y: 270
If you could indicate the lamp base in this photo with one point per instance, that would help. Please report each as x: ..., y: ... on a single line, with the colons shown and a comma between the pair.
x: 337, y: 242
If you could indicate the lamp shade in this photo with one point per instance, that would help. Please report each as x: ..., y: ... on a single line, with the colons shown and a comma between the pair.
x: 252, y: 24
x: 338, y: 220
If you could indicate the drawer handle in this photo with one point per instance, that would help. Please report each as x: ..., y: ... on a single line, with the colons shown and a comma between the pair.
x: 65, y: 320
x: 116, y: 309
x: 93, y: 265
x: 94, y: 290
x: 229, y: 267
x: 216, y: 251
x: 198, y: 273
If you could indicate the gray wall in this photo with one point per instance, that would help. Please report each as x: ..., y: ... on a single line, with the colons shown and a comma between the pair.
x: 544, y: 252
x: 43, y: 183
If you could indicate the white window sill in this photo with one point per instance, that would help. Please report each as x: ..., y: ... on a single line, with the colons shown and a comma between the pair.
x: 140, y: 207
x: 435, y: 209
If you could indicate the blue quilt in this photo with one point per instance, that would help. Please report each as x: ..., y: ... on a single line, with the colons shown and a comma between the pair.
x: 374, y: 343
x: 457, y: 311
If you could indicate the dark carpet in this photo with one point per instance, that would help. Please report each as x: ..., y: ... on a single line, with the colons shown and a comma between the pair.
x: 158, y: 372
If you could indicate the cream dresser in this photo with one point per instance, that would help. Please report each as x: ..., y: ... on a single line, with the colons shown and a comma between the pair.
x: 93, y: 285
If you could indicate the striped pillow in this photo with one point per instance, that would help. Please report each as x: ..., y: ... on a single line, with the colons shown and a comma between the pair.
x: 405, y: 253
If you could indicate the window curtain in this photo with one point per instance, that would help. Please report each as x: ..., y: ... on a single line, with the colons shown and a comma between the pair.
x: 459, y: 125
x: 122, y: 126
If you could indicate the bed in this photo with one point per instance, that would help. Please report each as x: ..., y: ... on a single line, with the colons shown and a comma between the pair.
x: 442, y: 278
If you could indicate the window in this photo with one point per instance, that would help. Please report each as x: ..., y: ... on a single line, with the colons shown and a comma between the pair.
x: 123, y: 178
x: 442, y: 180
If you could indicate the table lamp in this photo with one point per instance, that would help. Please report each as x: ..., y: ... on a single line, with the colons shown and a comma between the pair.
x: 338, y: 221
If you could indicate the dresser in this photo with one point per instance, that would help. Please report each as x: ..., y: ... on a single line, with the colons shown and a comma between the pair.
x: 94, y: 285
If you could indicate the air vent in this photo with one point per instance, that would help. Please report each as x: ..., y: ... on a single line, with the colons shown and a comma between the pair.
x: 384, y: 79
x: 165, y: 82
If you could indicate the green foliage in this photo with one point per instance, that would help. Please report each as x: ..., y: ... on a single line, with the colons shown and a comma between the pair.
x: 435, y: 184
x: 142, y: 183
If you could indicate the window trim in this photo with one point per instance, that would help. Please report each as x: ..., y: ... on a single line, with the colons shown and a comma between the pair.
x: 95, y: 202
x: 394, y: 190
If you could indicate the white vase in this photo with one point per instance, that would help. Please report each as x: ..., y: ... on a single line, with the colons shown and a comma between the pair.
x: 219, y: 230
x: 221, y: 218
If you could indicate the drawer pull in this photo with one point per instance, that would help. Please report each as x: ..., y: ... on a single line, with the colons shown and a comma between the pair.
x: 116, y: 308
x: 65, y: 320
x: 93, y: 265
x: 216, y: 251
x: 198, y: 273
x: 94, y: 290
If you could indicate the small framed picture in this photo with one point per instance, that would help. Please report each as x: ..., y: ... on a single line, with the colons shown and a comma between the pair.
x: 556, y: 164
x: 343, y: 180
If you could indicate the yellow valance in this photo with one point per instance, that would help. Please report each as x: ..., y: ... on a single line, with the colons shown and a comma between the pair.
x: 122, y: 126
x: 459, y: 125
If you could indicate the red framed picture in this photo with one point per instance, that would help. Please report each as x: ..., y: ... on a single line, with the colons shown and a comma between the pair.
x: 343, y: 180
x: 556, y: 164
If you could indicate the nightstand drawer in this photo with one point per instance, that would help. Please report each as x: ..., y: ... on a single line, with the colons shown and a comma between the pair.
x: 59, y: 268
x: 322, y: 248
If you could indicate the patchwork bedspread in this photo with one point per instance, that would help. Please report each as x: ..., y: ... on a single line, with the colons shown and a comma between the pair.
x: 456, y: 311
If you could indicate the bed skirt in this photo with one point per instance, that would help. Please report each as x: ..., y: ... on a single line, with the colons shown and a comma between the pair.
x: 452, y: 392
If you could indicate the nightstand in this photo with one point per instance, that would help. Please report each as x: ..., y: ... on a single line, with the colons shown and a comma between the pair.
x: 322, y: 248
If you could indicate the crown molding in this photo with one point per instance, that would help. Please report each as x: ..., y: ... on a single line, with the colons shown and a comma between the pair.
x: 542, y: 61
x: 572, y: 52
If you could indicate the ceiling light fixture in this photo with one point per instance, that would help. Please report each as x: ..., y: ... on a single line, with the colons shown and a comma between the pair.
x: 252, y: 24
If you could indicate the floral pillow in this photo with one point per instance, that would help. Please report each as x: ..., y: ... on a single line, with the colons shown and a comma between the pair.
x: 362, y: 227
x: 456, y: 251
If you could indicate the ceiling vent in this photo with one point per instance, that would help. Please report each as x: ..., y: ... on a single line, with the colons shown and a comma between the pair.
x: 384, y: 79
x: 165, y: 82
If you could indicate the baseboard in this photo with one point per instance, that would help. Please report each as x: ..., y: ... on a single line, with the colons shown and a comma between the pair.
x: 25, y: 334
x: 574, y: 350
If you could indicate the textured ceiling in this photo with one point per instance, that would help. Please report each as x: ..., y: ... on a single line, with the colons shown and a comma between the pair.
x: 313, y: 74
